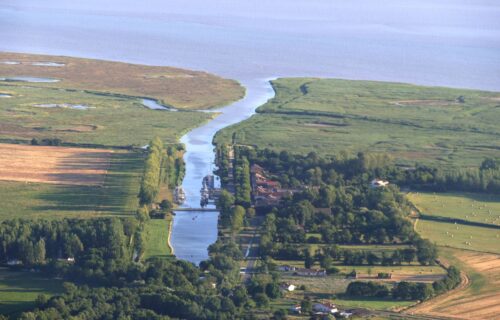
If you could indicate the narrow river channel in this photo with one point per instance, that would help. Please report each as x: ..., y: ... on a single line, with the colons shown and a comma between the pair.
x: 194, y: 231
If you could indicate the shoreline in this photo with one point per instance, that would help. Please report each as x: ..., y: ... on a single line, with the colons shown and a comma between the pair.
x: 169, y: 236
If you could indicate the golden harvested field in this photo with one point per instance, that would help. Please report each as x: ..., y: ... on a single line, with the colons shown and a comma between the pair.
x: 173, y: 86
x: 55, y: 165
x: 479, y: 295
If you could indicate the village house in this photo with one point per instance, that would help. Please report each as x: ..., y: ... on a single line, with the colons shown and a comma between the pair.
x: 325, y: 308
x: 286, y: 268
x: 310, y: 272
x: 378, y: 183
x: 287, y: 287
x: 296, y: 309
x: 266, y: 192
x: 14, y: 262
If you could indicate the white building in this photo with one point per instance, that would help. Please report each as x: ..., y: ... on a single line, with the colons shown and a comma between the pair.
x: 325, y: 308
x: 378, y: 183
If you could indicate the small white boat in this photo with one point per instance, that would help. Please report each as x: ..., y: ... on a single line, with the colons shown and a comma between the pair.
x: 179, y: 195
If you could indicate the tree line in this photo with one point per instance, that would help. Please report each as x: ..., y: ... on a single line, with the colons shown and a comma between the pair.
x: 242, y: 180
x: 405, y: 290
x: 162, y: 165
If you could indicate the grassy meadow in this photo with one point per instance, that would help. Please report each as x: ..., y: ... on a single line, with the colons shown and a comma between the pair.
x: 157, y: 232
x: 433, y: 125
x: 460, y: 236
x: 109, y: 121
x: 180, y: 88
x: 476, y: 207
x: 118, y: 195
x: 18, y: 290
x: 473, y: 207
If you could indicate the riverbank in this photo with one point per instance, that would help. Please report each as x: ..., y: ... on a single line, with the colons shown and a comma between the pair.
x: 157, y: 233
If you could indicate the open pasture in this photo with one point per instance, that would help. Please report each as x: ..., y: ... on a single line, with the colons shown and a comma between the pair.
x: 460, y: 236
x: 483, y: 208
x: 432, y: 125
x: 56, y: 165
x: 19, y: 290
x: 173, y: 86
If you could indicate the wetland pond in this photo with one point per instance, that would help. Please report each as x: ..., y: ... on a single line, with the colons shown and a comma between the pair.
x: 29, y: 79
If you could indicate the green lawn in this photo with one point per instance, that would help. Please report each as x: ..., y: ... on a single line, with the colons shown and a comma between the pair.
x: 157, y: 238
x: 118, y: 196
x: 413, y: 269
x: 18, y: 290
x: 459, y: 236
x: 110, y: 120
x: 484, y: 208
x: 373, y: 304
x: 412, y: 123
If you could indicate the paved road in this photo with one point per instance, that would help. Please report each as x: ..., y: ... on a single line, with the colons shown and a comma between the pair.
x: 251, y: 253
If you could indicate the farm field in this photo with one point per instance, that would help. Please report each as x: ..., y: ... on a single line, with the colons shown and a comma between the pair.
x: 478, y: 298
x: 106, y: 121
x: 413, y: 123
x: 57, y: 165
x: 157, y: 232
x: 18, y: 290
x: 484, y: 208
x: 460, y: 236
x: 117, y: 194
x: 173, y: 86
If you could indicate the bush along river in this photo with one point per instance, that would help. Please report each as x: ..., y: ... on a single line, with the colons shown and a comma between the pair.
x: 194, y: 231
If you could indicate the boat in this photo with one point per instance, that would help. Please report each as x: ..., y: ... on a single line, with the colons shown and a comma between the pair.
x: 179, y: 195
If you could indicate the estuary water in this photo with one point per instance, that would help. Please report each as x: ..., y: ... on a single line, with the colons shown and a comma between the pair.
x: 448, y: 43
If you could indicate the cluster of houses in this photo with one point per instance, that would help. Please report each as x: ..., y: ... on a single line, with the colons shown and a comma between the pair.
x: 323, y: 309
x: 266, y: 192
x: 304, y: 272
x: 317, y: 308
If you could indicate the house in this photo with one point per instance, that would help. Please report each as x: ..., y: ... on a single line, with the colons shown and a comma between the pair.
x: 286, y: 268
x: 310, y: 272
x: 287, y: 287
x: 345, y: 314
x: 378, y: 183
x: 14, y: 262
x: 255, y: 168
x: 325, y: 308
x: 296, y: 309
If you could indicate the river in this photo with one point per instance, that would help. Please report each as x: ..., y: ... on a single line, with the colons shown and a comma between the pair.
x: 448, y: 43
x: 194, y: 231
